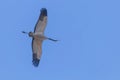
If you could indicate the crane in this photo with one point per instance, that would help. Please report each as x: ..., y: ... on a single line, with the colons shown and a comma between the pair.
x: 38, y: 37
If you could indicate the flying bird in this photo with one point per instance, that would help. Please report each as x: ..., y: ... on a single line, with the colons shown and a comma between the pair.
x: 38, y: 37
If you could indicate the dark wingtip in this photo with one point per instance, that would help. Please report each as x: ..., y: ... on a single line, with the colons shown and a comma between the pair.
x: 35, y: 62
x: 44, y: 12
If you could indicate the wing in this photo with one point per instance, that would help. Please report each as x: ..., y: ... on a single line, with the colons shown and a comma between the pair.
x: 37, y: 51
x: 42, y: 21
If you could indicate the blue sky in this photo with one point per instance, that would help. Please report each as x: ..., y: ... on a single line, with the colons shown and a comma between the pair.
x: 89, y: 34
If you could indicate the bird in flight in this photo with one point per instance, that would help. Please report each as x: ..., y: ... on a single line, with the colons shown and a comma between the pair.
x: 38, y: 37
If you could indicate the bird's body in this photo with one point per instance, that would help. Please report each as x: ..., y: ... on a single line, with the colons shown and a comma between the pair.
x: 38, y: 37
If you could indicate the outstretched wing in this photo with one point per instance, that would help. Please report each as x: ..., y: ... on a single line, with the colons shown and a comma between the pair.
x: 42, y: 21
x: 36, y: 42
x: 37, y: 51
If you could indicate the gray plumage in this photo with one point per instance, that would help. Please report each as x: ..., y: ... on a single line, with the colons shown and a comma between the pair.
x: 38, y: 37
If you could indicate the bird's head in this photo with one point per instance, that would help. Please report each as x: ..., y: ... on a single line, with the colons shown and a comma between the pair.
x: 30, y: 34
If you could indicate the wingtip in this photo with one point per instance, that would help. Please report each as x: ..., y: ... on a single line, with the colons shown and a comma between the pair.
x: 44, y: 11
x: 36, y: 62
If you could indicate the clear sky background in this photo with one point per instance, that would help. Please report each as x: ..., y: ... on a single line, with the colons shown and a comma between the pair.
x: 89, y: 34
